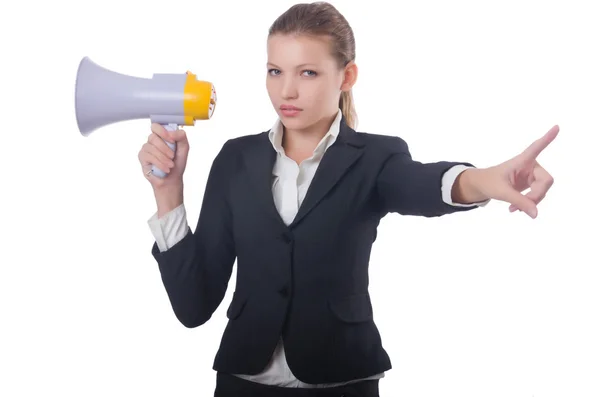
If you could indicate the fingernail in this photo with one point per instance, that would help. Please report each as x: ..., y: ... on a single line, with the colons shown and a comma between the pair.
x: 533, y: 214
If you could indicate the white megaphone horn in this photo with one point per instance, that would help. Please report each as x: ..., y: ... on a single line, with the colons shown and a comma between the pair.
x: 105, y: 97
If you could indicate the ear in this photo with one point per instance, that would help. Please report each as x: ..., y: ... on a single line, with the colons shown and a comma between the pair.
x: 350, y: 76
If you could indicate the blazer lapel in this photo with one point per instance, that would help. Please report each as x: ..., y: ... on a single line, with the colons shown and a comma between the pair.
x: 336, y: 161
x: 259, y: 160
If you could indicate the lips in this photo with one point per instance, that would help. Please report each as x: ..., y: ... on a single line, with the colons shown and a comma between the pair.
x: 289, y: 107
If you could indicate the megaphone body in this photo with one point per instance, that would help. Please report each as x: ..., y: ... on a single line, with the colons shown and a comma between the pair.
x: 104, y: 97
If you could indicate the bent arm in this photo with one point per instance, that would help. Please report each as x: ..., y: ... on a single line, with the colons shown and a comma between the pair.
x: 196, y: 267
x: 409, y: 187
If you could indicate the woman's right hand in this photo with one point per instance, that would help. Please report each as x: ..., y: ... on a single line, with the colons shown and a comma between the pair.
x: 156, y: 152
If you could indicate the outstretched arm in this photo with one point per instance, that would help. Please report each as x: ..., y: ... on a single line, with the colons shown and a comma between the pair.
x: 409, y: 187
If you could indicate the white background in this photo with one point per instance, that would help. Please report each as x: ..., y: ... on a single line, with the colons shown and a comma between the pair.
x: 484, y: 303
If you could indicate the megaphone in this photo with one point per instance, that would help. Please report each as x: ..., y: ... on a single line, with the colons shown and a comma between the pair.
x: 104, y: 97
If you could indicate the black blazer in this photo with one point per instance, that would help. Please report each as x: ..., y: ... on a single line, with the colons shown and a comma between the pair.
x: 307, y: 282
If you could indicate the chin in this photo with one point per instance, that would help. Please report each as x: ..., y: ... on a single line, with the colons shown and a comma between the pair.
x: 295, y: 123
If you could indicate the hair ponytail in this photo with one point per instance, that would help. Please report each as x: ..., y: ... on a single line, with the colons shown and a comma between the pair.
x: 348, y: 110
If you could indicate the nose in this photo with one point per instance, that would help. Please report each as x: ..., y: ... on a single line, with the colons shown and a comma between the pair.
x: 289, y: 89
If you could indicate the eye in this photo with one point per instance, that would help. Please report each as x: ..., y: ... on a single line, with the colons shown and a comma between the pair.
x: 270, y: 71
x: 311, y: 71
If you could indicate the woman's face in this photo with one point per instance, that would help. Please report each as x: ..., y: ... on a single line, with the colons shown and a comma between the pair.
x: 302, y: 73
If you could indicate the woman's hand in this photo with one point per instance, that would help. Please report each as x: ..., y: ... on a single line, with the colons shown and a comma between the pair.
x: 156, y: 152
x: 506, y: 181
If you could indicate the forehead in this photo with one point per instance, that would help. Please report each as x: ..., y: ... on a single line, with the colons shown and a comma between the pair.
x: 291, y: 50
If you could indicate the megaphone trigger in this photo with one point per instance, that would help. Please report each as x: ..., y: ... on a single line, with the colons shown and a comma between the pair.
x: 104, y: 97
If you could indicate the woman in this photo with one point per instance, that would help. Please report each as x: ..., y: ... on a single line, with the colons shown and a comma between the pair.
x: 298, y: 207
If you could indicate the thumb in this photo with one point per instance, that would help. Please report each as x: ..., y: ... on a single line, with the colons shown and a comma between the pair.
x: 180, y: 137
x: 520, y: 202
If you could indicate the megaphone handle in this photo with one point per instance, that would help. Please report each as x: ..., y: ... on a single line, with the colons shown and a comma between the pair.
x: 155, y: 170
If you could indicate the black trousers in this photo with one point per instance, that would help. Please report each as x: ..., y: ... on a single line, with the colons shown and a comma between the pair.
x: 232, y: 386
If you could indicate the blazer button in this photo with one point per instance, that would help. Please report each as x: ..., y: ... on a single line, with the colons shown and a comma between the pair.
x: 284, y: 291
x: 286, y: 237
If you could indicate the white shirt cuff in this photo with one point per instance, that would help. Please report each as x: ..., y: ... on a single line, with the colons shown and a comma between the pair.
x: 170, y: 228
x: 448, y: 182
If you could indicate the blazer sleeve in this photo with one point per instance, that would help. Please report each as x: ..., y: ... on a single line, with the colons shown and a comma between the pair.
x: 409, y: 187
x: 196, y: 270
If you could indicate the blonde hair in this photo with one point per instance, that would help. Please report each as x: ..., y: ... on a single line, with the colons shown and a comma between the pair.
x: 323, y: 19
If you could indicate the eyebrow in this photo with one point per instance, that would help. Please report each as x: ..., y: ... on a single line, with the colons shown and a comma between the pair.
x: 299, y: 66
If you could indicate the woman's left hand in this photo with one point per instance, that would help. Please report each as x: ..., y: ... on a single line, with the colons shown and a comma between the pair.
x: 506, y: 181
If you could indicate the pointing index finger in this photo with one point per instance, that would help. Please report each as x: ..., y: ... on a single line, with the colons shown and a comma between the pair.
x: 542, y: 143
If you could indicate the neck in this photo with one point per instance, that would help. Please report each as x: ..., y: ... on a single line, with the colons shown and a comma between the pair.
x: 306, y: 140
